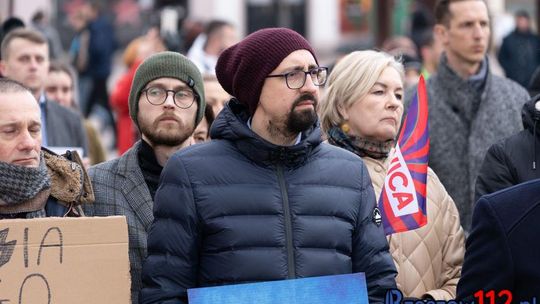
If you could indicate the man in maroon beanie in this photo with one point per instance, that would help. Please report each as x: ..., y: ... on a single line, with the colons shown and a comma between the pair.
x: 265, y: 199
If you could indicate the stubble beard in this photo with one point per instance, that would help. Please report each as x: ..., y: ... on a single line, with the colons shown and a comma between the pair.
x: 169, y: 135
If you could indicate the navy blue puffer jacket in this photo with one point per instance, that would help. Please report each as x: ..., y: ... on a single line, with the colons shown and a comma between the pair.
x: 240, y: 209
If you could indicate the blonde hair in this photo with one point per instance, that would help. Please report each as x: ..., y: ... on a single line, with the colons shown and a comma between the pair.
x: 350, y: 80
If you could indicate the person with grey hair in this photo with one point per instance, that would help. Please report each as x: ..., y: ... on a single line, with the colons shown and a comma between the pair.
x: 166, y: 103
x: 361, y: 112
x: 469, y: 108
x: 34, y: 182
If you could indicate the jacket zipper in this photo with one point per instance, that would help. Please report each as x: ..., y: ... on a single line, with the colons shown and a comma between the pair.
x: 288, y: 224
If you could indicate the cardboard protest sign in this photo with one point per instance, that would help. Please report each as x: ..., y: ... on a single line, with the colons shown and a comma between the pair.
x: 337, y: 289
x: 64, y: 260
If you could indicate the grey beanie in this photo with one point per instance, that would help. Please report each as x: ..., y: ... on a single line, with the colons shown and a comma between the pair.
x: 166, y: 64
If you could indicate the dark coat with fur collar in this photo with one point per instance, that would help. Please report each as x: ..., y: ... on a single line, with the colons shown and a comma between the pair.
x: 70, y: 187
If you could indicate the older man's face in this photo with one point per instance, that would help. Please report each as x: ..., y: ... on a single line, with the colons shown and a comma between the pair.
x: 20, y: 129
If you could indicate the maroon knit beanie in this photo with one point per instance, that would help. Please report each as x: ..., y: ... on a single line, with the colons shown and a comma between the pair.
x: 241, y: 69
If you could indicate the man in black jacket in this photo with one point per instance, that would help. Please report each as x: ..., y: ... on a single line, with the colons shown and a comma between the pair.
x: 265, y: 199
x: 503, y: 249
x: 515, y: 159
x: 519, y: 54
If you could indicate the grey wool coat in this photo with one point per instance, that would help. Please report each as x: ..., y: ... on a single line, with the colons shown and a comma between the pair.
x: 120, y: 189
x: 460, y: 135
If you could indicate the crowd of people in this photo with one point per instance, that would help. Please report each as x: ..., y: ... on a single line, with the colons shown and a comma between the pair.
x: 248, y: 160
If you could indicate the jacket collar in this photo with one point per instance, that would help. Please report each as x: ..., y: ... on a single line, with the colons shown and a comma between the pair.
x: 128, y: 165
x: 231, y: 125
x: 530, y: 116
x: 134, y: 187
x: 452, y: 79
x: 467, y: 100
x: 70, y: 183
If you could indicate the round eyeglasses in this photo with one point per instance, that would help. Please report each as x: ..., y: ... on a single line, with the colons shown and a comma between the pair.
x: 297, y: 79
x: 183, y: 98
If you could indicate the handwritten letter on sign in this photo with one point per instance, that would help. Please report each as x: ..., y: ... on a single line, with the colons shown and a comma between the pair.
x: 64, y: 260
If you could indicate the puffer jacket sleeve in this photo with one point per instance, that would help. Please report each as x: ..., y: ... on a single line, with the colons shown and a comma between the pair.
x: 173, y: 240
x: 495, y: 173
x: 453, y: 247
x: 370, y: 247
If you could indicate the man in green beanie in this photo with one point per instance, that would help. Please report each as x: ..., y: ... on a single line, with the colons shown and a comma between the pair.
x: 166, y: 102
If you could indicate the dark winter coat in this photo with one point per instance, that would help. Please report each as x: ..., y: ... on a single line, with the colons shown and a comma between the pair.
x: 515, y: 159
x: 503, y: 249
x: 240, y: 209
x: 519, y: 56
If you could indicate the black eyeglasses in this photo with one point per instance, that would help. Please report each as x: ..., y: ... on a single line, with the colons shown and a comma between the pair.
x: 297, y: 79
x: 183, y: 98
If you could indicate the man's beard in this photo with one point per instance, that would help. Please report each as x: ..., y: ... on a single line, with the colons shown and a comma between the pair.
x: 295, y: 122
x: 170, y: 135
x: 300, y: 121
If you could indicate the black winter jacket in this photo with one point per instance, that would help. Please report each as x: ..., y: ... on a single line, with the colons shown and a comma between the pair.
x: 519, y: 56
x: 515, y: 159
x: 240, y: 209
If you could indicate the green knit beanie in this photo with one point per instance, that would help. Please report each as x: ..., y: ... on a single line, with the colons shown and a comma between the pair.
x: 171, y: 65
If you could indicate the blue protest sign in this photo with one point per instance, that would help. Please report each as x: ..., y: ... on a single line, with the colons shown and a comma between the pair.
x: 337, y: 289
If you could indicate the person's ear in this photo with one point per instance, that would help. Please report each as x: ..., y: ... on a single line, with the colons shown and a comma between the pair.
x: 441, y: 32
x: 343, y: 112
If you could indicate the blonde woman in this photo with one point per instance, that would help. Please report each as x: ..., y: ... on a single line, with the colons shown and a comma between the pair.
x: 362, y: 112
